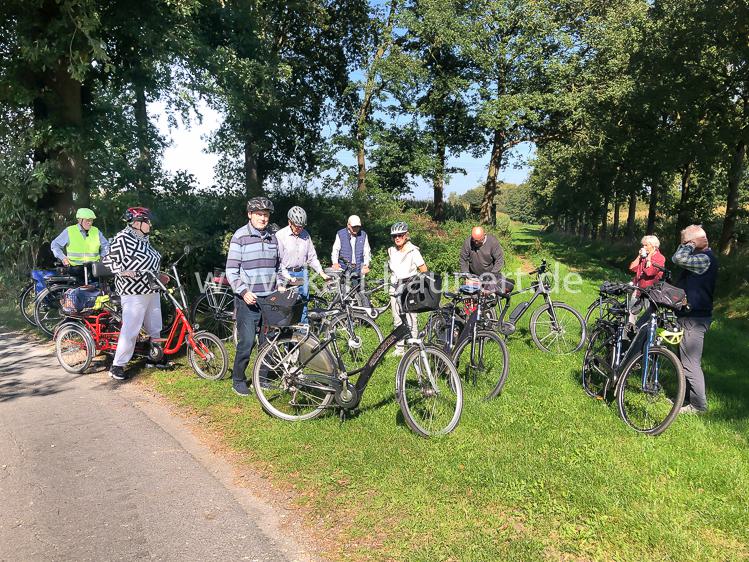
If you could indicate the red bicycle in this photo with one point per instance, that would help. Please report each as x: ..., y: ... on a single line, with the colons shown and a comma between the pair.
x: 82, y: 336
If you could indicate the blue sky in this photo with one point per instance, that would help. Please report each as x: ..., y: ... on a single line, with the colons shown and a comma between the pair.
x: 188, y: 144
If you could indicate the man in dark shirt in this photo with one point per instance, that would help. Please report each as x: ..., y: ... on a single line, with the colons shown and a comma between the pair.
x: 482, y: 255
x: 700, y: 267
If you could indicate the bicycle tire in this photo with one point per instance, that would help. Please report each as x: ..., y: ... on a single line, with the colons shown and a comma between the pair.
x: 215, y: 318
x: 417, y: 397
x: 47, y: 308
x: 573, y: 322
x: 666, y: 398
x: 214, y: 367
x: 26, y: 302
x: 597, y: 363
x: 487, y: 377
x: 280, y: 385
x: 74, y: 347
x: 356, y: 350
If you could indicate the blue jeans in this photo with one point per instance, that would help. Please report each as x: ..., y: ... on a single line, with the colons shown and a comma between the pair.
x: 248, y: 322
x: 303, y: 290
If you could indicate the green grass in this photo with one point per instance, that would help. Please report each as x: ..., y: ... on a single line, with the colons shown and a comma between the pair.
x: 542, y: 472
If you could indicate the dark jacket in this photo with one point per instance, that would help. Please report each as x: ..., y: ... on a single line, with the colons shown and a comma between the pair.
x: 488, y: 258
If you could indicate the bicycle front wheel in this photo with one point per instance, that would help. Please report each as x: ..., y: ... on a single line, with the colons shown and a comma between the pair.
x: 26, y: 301
x: 207, y: 356
x: 556, y: 327
x: 284, y: 388
x: 483, y: 366
x: 429, y: 391
x: 651, y: 390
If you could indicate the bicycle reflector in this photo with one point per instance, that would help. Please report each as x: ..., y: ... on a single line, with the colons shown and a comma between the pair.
x: 672, y: 337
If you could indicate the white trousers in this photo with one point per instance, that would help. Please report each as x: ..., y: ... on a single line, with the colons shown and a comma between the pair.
x: 411, y: 318
x: 137, y: 311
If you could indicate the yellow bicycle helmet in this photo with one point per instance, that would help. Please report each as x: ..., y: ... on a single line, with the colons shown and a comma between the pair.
x: 671, y: 336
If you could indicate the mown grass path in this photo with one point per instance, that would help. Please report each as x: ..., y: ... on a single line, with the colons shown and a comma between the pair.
x: 542, y: 472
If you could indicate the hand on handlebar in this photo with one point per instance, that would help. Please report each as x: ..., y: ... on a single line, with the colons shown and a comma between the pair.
x: 66, y: 262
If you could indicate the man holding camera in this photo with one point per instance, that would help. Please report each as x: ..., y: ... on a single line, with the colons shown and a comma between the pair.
x: 700, y: 272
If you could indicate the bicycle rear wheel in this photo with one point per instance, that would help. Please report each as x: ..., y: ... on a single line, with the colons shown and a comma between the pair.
x: 562, y: 332
x: 287, y: 391
x: 429, y: 391
x: 355, y: 347
x: 47, y: 308
x: 484, y: 374
x: 598, y: 309
x: 26, y: 301
x: 214, y: 313
x: 598, y: 363
x: 74, y: 347
x: 651, y: 390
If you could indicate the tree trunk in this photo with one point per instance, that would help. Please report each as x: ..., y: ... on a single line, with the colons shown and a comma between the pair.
x: 631, y: 214
x: 605, y: 217
x: 495, y: 164
x: 369, y: 90
x: 439, y: 179
x: 683, y: 216
x: 144, y: 165
x: 736, y: 173
x: 615, y: 224
x: 652, y: 209
x: 253, y: 183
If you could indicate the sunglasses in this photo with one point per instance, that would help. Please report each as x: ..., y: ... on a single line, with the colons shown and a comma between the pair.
x: 399, y: 235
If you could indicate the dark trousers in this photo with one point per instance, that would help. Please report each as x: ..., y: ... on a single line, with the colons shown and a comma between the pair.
x: 249, y: 322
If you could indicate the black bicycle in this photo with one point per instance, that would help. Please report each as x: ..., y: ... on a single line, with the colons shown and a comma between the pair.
x: 647, y: 377
x: 555, y: 327
x: 464, y: 329
x: 298, y: 376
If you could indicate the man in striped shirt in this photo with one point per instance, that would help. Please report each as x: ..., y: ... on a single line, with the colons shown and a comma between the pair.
x: 253, y: 267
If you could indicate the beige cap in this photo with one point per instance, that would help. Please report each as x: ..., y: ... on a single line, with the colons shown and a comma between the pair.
x: 354, y: 220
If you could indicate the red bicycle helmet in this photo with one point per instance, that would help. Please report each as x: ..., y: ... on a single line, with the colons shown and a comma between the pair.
x: 136, y: 213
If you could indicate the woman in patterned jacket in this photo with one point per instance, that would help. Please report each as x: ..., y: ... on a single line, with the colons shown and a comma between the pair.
x: 130, y: 257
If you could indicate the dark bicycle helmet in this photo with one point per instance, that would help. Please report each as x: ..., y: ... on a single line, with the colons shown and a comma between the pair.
x: 398, y: 228
x: 298, y: 216
x: 136, y: 213
x: 259, y: 204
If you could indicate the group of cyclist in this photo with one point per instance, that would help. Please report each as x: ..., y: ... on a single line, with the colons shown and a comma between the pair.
x: 263, y: 259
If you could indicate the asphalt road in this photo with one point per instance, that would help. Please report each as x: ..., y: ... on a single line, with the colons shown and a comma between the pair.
x: 94, y: 470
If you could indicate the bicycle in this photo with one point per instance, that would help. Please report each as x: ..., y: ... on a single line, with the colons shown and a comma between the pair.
x: 298, y: 377
x: 555, y: 327
x: 83, y: 335
x: 647, y: 378
x: 465, y: 330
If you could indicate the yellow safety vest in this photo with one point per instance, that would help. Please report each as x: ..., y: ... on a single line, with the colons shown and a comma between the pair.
x: 81, y: 250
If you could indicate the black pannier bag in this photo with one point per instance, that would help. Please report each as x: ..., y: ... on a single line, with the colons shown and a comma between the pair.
x: 420, y: 293
x: 281, y: 309
x: 504, y: 285
x: 670, y: 296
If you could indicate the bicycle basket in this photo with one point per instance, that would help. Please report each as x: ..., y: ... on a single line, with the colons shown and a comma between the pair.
x: 420, y: 293
x: 79, y: 299
x: 281, y: 309
x: 670, y: 296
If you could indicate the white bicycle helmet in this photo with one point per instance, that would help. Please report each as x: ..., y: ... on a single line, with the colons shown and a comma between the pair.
x: 398, y: 228
x: 298, y: 216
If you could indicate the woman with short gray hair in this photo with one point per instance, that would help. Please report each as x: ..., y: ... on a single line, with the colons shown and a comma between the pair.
x: 644, y: 265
